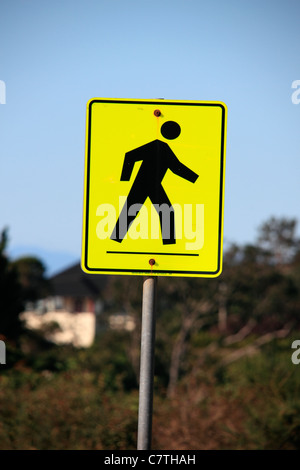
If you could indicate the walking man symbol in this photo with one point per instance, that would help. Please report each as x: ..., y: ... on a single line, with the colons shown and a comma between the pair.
x: 157, y: 157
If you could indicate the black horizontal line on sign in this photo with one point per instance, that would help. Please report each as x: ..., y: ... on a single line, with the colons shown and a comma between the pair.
x: 150, y: 253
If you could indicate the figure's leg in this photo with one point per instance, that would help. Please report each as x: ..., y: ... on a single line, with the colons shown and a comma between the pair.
x: 130, y: 210
x: 166, y: 214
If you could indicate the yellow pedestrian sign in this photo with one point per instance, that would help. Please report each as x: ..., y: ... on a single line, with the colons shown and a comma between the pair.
x: 154, y: 187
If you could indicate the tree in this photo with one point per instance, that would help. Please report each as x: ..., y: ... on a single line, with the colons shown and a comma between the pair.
x: 278, y: 238
x: 185, y: 305
x: 11, y: 302
x: 258, y: 290
x: 31, y: 273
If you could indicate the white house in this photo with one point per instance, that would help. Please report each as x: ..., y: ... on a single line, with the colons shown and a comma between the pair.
x: 68, y: 315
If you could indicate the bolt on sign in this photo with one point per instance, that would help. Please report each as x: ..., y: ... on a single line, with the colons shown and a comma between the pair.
x: 154, y: 187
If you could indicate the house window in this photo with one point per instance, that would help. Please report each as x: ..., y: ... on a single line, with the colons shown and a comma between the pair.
x: 58, y: 303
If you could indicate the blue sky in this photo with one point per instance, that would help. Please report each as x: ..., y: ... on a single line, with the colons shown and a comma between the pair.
x: 55, y: 56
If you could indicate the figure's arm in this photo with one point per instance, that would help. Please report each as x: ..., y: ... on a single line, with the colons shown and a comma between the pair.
x: 129, y: 161
x: 181, y: 170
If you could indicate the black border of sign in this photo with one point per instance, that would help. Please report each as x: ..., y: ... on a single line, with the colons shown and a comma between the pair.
x: 153, y: 271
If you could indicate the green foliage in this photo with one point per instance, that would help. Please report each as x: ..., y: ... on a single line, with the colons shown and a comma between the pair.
x: 31, y: 273
x: 11, y: 300
x: 65, y: 411
x: 234, y: 385
x: 269, y: 386
x: 259, y: 287
x: 78, y: 399
x: 278, y: 238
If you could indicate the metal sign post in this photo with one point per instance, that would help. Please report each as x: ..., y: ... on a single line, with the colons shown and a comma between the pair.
x: 147, y: 364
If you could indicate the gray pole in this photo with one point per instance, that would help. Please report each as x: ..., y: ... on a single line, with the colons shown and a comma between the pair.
x: 147, y: 364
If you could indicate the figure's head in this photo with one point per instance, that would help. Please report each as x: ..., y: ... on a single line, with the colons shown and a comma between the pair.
x: 170, y: 130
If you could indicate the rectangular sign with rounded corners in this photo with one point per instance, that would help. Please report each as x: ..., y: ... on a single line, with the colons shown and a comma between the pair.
x: 154, y: 187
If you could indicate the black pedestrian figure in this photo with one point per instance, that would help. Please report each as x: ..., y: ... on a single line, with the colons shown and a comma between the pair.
x: 157, y: 158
